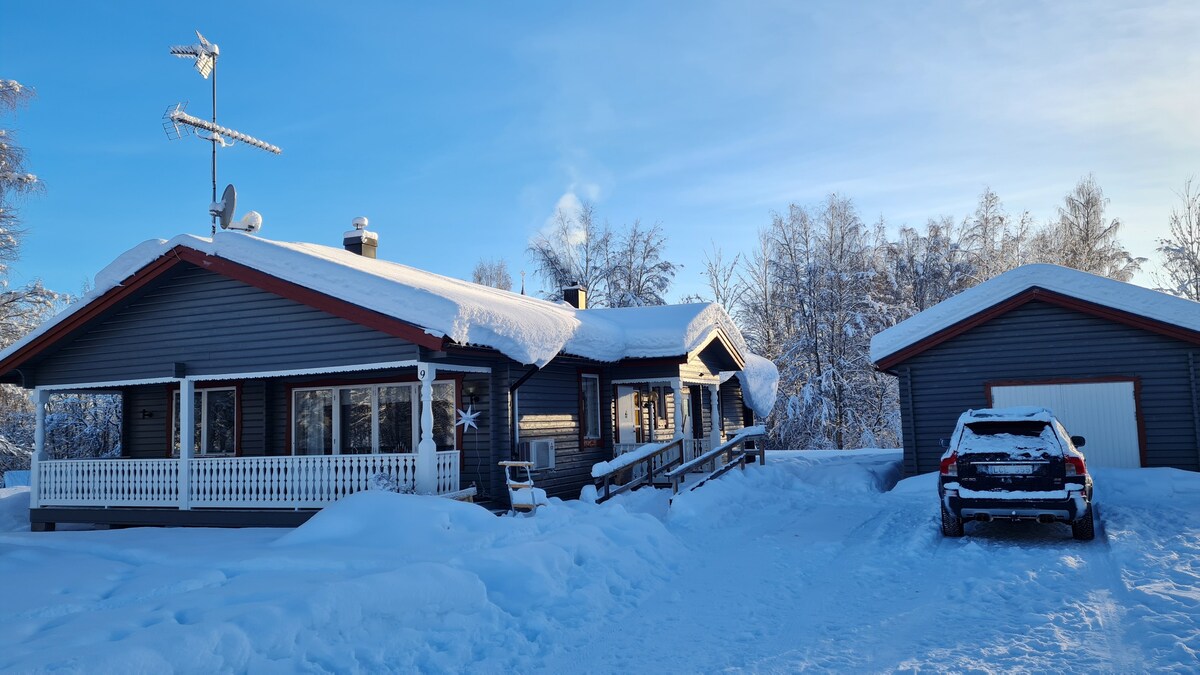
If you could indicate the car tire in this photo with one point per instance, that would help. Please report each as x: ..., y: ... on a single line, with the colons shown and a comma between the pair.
x: 1084, y: 529
x: 952, y: 526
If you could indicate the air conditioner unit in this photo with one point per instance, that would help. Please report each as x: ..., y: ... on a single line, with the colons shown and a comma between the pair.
x: 540, y: 452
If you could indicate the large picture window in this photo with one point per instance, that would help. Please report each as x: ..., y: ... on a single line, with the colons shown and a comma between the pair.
x: 214, y: 414
x: 591, y: 406
x: 370, y: 418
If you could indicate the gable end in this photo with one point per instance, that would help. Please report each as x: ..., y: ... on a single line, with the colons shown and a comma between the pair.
x: 1030, y: 295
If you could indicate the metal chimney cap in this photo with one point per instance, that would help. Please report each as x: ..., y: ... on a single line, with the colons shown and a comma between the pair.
x: 360, y: 223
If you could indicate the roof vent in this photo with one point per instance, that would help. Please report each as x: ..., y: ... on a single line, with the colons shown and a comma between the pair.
x: 360, y: 241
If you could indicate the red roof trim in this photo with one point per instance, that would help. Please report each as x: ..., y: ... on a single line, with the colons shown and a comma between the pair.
x: 260, y: 280
x: 1030, y: 295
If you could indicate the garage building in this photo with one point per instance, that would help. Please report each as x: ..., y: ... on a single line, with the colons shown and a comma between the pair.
x: 1117, y: 363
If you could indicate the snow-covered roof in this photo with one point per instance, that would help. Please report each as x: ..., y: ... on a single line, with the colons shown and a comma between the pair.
x: 526, y: 329
x: 1092, y: 288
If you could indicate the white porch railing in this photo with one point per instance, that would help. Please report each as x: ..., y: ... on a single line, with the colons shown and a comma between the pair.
x: 289, y: 482
x: 111, y: 482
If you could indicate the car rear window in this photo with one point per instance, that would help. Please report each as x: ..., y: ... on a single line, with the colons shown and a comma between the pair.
x: 1031, y: 428
x: 1015, y: 439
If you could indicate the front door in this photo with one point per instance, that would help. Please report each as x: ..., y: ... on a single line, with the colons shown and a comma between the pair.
x: 627, y: 415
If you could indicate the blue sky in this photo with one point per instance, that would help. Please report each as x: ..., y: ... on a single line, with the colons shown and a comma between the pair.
x: 457, y: 128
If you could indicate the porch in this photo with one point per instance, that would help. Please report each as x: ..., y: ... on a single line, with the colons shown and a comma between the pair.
x: 357, y: 427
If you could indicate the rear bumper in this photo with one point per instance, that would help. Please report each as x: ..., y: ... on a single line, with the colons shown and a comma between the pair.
x: 1063, y: 510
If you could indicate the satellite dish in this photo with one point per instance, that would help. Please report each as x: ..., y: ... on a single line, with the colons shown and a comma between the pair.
x: 223, y: 210
x: 250, y: 223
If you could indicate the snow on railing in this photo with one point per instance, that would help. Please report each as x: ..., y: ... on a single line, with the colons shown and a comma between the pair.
x: 108, y: 482
x: 288, y: 481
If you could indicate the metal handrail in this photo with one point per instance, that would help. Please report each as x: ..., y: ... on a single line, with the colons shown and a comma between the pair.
x: 605, y: 481
x: 747, y: 434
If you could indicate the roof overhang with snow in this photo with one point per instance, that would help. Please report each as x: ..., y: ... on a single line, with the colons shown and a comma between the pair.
x: 1080, y: 291
x: 422, y: 307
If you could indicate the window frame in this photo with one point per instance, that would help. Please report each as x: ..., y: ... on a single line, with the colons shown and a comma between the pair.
x: 337, y: 388
x: 584, y: 418
x: 203, y: 421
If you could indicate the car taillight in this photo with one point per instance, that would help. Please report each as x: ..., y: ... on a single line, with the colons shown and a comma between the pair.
x: 1076, y: 467
x: 949, y: 466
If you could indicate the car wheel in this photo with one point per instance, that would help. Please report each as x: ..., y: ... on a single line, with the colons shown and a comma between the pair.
x: 1084, y: 529
x: 952, y: 526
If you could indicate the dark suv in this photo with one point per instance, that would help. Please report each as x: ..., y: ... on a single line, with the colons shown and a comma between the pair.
x: 1014, y: 464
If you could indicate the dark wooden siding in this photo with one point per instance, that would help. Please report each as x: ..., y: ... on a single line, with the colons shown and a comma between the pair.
x: 214, y: 325
x: 733, y: 408
x: 549, y: 408
x: 146, y: 436
x: 1040, y: 341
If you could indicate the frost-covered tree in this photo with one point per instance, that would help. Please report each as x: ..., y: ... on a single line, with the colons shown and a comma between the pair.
x: 763, y: 322
x: 724, y: 285
x: 637, y: 273
x: 1083, y: 238
x: 919, y: 269
x: 573, y: 250
x: 24, y: 307
x: 616, y: 269
x: 1181, y: 249
x: 492, y: 273
x: 824, y: 268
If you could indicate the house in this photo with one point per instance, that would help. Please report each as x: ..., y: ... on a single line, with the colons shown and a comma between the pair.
x: 1117, y: 363
x: 315, y: 370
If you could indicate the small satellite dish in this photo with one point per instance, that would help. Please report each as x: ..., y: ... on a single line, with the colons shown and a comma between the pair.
x: 250, y: 223
x: 223, y: 210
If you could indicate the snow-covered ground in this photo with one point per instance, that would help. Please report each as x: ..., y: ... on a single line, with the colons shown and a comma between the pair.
x: 810, y: 562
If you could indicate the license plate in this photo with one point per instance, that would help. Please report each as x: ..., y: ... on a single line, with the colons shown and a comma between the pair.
x: 1008, y: 469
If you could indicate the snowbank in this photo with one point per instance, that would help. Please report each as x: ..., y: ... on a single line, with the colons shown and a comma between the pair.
x: 1073, y: 283
x: 809, y: 563
x: 523, y: 328
x: 14, y: 509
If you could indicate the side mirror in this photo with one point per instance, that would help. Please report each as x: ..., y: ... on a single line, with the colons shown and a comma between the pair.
x: 1078, y: 441
x: 945, y: 443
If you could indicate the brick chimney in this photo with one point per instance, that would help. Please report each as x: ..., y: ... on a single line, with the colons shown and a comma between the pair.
x: 575, y: 296
x: 359, y: 240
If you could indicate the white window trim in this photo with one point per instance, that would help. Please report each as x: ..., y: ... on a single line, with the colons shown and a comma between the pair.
x: 336, y: 418
x: 202, y: 439
x: 584, y: 377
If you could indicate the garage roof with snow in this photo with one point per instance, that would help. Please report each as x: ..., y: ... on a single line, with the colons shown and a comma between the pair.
x: 1090, y: 293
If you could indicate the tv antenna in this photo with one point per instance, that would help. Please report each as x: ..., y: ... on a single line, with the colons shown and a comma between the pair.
x: 178, y: 123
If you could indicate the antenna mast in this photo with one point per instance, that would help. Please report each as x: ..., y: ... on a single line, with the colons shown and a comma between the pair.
x: 206, y: 54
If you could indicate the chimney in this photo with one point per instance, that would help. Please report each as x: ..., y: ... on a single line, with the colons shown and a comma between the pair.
x: 359, y: 240
x: 575, y: 296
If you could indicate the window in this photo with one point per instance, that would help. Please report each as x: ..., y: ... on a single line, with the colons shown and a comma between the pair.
x: 591, y: 406
x: 215, y: 419
x: 370, y: 418
x: 660, y: 406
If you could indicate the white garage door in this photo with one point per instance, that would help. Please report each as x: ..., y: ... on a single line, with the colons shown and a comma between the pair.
x: 1101, y: 412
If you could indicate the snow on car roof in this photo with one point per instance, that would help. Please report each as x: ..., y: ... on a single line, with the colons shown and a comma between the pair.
x: 526, y: 329
x: 1013, y: 414
x: 1092, y: 288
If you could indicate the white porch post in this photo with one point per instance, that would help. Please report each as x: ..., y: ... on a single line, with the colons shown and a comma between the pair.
x: 187, y: 436
x: 427, y: 448
x: 714, y: 392
x: 677, y: 392
x: 40, y: 398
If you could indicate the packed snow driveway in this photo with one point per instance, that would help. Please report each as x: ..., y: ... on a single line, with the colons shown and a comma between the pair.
x: 813, y: 562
